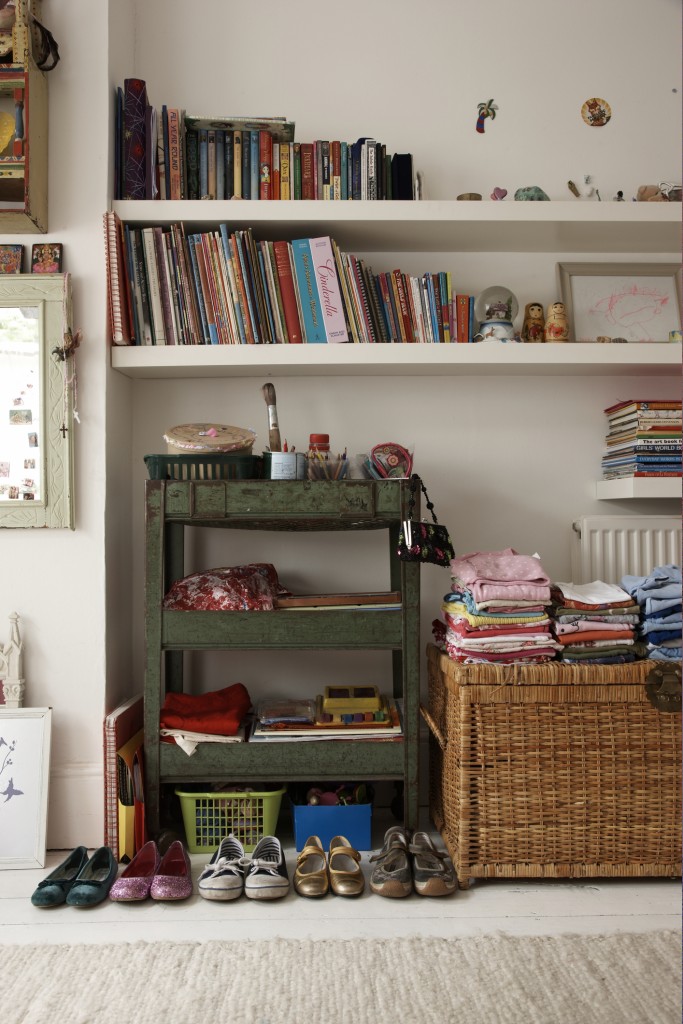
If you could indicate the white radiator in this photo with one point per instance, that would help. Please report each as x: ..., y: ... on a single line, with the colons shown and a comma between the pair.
x: 609, y: 547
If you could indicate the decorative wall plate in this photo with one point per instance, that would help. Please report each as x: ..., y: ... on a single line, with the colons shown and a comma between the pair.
x: 596, y: 112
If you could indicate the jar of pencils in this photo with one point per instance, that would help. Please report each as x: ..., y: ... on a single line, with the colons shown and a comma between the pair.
x: 324, y: 465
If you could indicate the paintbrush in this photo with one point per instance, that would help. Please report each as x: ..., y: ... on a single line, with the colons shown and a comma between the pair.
x: 274, y: 441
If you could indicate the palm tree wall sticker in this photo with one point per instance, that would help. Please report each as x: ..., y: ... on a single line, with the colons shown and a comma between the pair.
x: 486, y: 109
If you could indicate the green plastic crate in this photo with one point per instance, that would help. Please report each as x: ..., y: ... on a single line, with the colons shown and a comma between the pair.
x: 204, y: 467
x: 209, y: 817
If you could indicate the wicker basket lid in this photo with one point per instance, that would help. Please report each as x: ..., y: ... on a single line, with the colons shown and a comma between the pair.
x: 210, y: 437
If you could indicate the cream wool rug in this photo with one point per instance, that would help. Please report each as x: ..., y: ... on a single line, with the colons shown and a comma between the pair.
x: 612, y: 979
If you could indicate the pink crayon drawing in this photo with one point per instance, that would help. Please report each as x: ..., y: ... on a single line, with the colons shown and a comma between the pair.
x: 631, y: 312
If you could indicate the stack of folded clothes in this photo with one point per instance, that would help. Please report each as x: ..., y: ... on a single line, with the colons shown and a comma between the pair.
x: 595, y: 623
x: 659, y: 598
x: 497, y: 610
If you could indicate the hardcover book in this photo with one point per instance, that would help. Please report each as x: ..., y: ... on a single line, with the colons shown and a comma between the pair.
x: 134, y: 138
x: 265, y: 143
x: 282, y: 251
x: 313, y: 324
x: 307, y: 174
x: 279, y: 127
x: 116, y: 278
x: 174, y: 153
x: 329, y: 289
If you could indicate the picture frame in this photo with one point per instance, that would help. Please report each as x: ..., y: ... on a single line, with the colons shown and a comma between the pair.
x: 25, y: 738
x: 36, y: 404
x: 46, y: 258
x: 621, y: 302
x: 11, y: 258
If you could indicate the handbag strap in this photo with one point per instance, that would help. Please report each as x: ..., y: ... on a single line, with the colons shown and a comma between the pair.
x: 414, y: 481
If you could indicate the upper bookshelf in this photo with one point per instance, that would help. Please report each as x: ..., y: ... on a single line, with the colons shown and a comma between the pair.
x: 437, y: 225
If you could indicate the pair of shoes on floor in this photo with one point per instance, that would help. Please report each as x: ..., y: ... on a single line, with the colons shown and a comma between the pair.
x: 79, y: 881
x: 411, y: 863
x: 149, y: 874
x: 230, y: 872
x: 341, y: 872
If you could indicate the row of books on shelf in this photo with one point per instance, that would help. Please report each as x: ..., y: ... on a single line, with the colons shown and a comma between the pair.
x: 644, y: 439
x: 168, y: 154
x: 168, y: 286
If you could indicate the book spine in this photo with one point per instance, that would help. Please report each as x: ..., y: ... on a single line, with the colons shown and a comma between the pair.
x: 135, y: 302
x: 277, y: 183
x: 229, y: 171
x: 247, y: 287
x: 181, y: 312
x: 359, y: 280
x: 203, y: 146
x: 285, y: 164
x: 381, y: 324
x: 255, y: 165
x: 372, y: 170
x: 161, y: 162
x: 326, y: 168
x: 167, y: 155
x: 295, y: 170
x: 195, y: 334
x: 174, y: 152
x: 416, y: 303
x: 229, y: 334
x: 259, y: 286
x: 354, y: 303
x: 470, y: 319
x: 211, y: 163
x: 314, y: 328
x: 270, y: 301
x: 115, y: 285
x: 329, y: 289
x: 192, y: 160
x: 240, y: 289
x: 142, y: 285
x: 335, y: 170
x: 246, y: 164
x: 389, y: 311
x: 151, y: 188
x: 216, y: 287
x: 343, y: 170
x: 281, y: 250
x: 307, y: 171
x: 164, y: 285
x: 265, y: 140
x: 220, y: 164
x: 237, y: 164
x: 403, y: 306
x: 134, y: 138
x: 349, y: 315
x: 462, y: 314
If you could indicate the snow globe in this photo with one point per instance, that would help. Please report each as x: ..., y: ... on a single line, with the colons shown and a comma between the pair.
x: 495, y: 309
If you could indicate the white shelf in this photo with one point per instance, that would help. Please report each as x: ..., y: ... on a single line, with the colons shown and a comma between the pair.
x: 437, y: 225
x: 655, y: 487
x: 486, y: 358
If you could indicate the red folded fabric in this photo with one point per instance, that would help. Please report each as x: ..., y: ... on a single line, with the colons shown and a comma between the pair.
x: 219, y: 713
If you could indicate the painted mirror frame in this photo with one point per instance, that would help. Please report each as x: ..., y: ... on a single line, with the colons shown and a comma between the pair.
x: 35, y: 316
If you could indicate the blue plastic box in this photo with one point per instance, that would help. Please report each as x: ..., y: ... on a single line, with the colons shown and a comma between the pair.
x: 354, y: 821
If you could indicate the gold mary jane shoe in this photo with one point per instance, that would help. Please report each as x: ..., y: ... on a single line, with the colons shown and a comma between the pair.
x: 310, y: 877
x: 346, y: 876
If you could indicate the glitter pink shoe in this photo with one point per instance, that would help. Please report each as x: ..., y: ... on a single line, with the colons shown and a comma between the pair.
x: 135, y: 881
x: 173, y: 880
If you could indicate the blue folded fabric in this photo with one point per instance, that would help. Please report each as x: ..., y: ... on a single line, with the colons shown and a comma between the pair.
x: 658, y: 635
x: 663, y: 582
x: 665, y: 615
x: 655, y: 605
x: 665, y: 653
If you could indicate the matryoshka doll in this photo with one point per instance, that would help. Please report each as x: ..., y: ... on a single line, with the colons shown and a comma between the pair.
x: 557, y: 324
x: 534, y: 322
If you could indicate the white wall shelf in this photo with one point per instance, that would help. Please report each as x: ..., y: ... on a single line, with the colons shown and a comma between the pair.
x: 655, y: 487
x: 486, y: 358
x: 437, y: 225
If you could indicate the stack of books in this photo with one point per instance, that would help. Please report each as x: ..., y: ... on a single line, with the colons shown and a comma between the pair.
x: 168, y: 154
x: 643, y: 439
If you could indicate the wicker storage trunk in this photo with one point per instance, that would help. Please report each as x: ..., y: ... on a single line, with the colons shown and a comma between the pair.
x: 552, y: 771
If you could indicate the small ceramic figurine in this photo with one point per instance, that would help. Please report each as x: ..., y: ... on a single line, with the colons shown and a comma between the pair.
x: 557, y: 324
x: 533, y: 328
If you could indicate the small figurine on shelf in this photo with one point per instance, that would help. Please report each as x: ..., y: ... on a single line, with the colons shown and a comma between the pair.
x: 533, y: 328
x: 557, y: 324
x: 585, y: 191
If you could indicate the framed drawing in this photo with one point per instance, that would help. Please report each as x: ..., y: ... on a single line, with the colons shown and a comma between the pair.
x: 36, y: 400
x: 24, y: 776
x: 632, y: 302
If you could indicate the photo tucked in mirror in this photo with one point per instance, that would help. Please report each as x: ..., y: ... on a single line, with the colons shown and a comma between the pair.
x: 35, y: 402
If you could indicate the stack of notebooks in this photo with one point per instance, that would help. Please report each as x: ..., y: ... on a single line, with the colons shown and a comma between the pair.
x: 643, y: 439
x: 291, y: 720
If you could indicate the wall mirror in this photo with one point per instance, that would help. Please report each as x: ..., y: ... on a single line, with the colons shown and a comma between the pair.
x: 36, y: 425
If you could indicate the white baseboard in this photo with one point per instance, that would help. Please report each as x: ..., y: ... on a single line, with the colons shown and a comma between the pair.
x: 75, y: 814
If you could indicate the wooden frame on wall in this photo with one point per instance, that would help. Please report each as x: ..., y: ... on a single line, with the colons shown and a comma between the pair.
x: 632, y: 302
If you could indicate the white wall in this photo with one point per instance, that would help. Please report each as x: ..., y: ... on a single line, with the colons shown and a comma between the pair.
x: 507, y: 461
